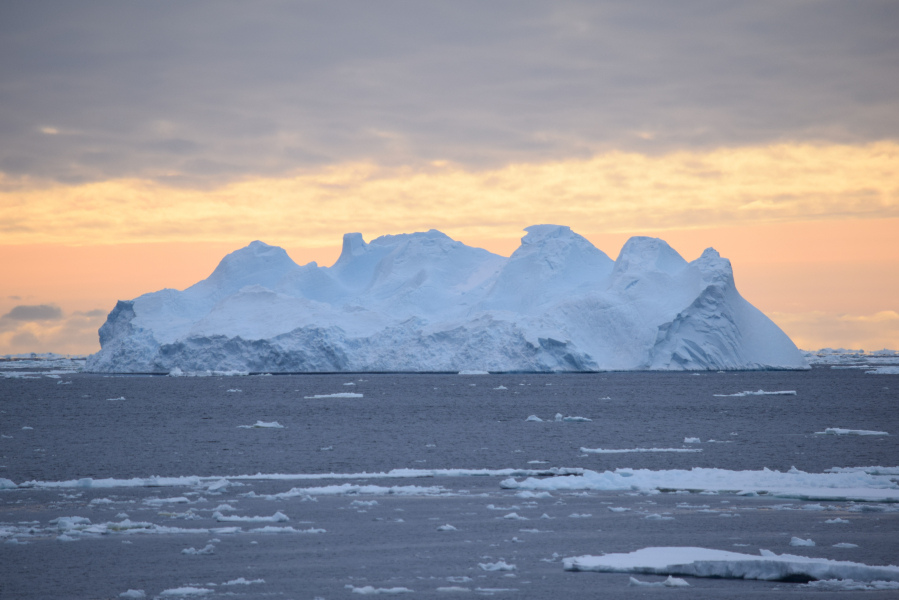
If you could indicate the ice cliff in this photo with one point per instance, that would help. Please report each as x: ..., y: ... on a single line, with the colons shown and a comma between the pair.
x: 424, y: 302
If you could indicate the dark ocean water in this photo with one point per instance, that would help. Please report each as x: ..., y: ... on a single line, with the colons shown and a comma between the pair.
x: 140, y: 426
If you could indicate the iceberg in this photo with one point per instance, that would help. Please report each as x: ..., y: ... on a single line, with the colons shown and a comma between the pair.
x: 425, y: 302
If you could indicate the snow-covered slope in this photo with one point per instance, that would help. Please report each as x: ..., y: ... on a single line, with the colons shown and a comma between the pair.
x: 424, y: 302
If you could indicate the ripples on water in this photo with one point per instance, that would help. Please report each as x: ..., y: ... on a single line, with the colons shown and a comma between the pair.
x: 81, y: 425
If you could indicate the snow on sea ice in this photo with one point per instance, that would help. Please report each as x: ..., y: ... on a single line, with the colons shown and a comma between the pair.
x: 337, y: 395
x: 839, y: 431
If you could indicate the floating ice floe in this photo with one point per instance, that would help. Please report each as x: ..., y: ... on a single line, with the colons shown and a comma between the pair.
x: 337, y: 395
x: 622, y: 451
x: 844, y: 486
x: 185, y: 591
x: 705, y: 562
x: 262, y: 425
x: 473, y: 372
x: 845, y: 545
x: 204, y: 481
x: 850, y: 585
x: 837, y: 520
x: 561, y: 419
x: 119, y: 399
x: 371, y: 590
x: 288, y: 529
x: 839, y: 431
x: 348, y: 489
x: 243, y: 581
x: 278, y: 517
x: 883, y: 371
x: 135, y: 594
x: 446, y: 527
x: 758, y: 393
x: 499, y: 565
x: 692, y: 440
x: 796, y: 541
x: 670, y: 582
x: 534, y: 418
x: 208, y: 549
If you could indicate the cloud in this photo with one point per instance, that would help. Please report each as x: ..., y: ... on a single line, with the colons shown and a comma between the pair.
x: 72, y: 334
x: 611, y: 192
x: 200, y: 93
x: 39, y: 312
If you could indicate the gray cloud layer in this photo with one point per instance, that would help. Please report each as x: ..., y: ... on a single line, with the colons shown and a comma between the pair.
x: 198, y: 92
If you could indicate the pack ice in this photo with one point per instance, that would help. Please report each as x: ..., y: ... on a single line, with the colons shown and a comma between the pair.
x: 425, y: 302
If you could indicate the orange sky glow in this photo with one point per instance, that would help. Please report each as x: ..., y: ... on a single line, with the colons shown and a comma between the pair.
x: 810, y: 229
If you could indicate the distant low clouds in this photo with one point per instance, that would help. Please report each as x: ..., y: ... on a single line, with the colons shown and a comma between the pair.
x: 39, y: 312
x: 46, y: 328
x: 200, y: 93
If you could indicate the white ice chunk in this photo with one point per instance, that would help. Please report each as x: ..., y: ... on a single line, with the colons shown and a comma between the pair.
x: 758, y: 393
x: 371, y: 590
x: 850, y: 585
x: 499, y: 565
x: 262, y: 425
x: 337, y: 395
x: 795, y: 541
x: 534, y: 418
x: 243, y: 581
x: 839, y: 431
x: 626, y: 450
x: 843, y: 486
x: 185, y: 591
x: 446, y: 527
x: 134, y: 594
x: 208, y: 549
x: 670, y: 582
x: 278, y: 517
x: 705, y: 562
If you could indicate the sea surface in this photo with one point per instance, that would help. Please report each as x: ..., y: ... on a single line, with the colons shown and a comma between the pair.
x: 82, y: 517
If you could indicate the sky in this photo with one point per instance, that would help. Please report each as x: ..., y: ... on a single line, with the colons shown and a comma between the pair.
x: 140, y: 142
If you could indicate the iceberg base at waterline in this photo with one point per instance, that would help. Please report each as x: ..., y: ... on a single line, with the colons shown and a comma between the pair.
x: 424, y: 302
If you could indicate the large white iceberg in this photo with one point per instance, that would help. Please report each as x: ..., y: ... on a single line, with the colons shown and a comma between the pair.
x: 424, y: 302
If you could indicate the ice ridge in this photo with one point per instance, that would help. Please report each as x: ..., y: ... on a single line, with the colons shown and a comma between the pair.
x: 425, y: 302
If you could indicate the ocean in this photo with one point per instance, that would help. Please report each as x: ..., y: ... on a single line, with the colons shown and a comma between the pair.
x: 437, y: 485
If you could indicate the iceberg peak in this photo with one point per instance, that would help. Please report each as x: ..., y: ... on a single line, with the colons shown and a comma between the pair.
x: 642, y: 254
x: 425, y: 302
